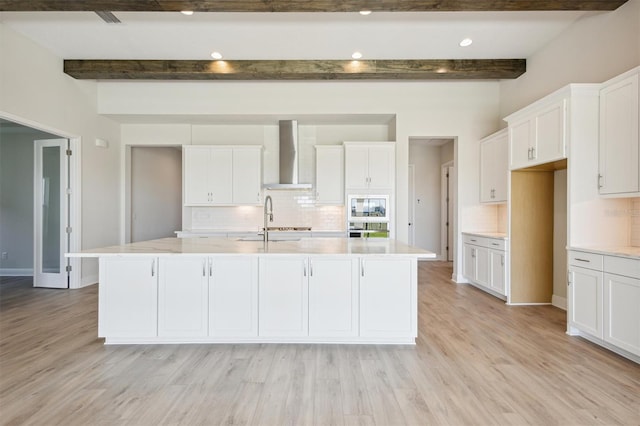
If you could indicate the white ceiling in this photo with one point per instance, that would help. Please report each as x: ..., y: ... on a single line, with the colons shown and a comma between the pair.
x: 171, y: 35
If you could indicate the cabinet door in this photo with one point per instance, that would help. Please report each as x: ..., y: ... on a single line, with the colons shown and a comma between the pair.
x: 329, y: 175
x: 494, y: 169
x: 283, y: 297
x: 247, y: 175
x: 356, y: 167
x: 182, y: 297
x: 388, y: 298
x: 381, y: 167
x: 521, y: 141
x: 550, y: 134
x: 498, y: 271
x: 233, y: 297
x: 622, y: 312
x: 487, y: 173
x: 196, y: 175
x: 482, y: 266
x: 469, y: 262
x: 128, y: 300
x: 333, y: 297
x: 585, y: 294
x: 221, y: 176
x: 619, y: 157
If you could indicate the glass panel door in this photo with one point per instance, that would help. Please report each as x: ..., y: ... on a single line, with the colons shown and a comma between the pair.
x: 51, y: 171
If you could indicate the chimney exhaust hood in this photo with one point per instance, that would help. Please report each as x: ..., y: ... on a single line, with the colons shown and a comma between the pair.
x: 288, y: 158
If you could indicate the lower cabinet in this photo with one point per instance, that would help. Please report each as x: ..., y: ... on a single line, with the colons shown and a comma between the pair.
x: 182, y: 296
x: 604, y: 300
x: 284, y: 297
x: 388, y: 298
x: 128, y: 297
x: 485, y: 263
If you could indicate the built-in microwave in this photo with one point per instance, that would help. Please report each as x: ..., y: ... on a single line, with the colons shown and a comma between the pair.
x: 368, y: 208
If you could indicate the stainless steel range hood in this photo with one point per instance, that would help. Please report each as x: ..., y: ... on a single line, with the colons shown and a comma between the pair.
x: 288, y: 158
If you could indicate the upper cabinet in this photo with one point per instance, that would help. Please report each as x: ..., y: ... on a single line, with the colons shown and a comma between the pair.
x: 222, y: 175
x: 494, y: 167
x: 329, y: 174
x: 369, y: 166
x: 537, y: 134
x: 619, y: 122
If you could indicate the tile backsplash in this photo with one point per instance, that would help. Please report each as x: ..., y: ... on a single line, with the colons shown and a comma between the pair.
x: 290, y: 209
x: 635, y: 222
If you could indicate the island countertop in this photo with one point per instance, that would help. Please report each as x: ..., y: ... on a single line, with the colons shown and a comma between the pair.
x: 222, y: 246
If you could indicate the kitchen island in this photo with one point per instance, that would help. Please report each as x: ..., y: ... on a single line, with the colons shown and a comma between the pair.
x: 216, y: 290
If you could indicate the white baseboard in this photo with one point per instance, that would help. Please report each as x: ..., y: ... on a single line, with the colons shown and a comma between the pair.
x: 88, y: 280
x: 16, y: 272
x: 559, y: 302
x: 459, y: 279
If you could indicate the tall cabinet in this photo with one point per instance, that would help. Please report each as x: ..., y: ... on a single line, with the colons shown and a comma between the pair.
x: 494, y: 168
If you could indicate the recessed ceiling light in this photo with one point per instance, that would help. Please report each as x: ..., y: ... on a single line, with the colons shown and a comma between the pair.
x: 216, y: 55
x: 356, y: 55
x: 365, y: 12
x: 466, y: 42
x: 187, y: 12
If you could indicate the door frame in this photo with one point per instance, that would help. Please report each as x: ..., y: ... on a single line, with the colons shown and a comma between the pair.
x: 74, y: 213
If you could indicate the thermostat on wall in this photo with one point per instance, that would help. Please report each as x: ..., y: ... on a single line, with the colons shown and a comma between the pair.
x: 102, y: 143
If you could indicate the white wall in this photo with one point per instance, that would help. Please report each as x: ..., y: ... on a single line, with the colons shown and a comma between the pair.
x: 35, y: 91
x: 593, y: 49
x: 469, y: 113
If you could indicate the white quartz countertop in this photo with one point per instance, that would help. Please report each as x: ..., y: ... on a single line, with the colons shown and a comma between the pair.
x: 623, y: 251
x: 223, y: 246
x: 498, y: 235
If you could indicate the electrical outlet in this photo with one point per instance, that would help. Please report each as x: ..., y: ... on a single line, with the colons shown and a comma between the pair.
x: 5, y: 255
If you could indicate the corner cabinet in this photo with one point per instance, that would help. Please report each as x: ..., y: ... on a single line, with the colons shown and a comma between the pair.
x: 222, y: 175
x: 494, y: 167
x: 370, y: 166
x: 604, y: 301
x: 619, y: 153
x: 329, y: 174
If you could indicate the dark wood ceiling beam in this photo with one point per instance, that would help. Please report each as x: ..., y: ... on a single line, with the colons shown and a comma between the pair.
x: 306, y: 5
x: 428, y: 69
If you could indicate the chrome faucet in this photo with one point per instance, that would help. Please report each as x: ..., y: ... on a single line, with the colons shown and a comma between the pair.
x: 268, y: 214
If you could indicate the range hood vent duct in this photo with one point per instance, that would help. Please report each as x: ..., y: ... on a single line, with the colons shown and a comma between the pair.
x: 289, y: 156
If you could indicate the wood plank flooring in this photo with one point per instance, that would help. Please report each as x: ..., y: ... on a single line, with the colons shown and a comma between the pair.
x: 476, y: 362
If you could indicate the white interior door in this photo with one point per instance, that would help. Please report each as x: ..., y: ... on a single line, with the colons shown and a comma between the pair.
x: 51, y: 239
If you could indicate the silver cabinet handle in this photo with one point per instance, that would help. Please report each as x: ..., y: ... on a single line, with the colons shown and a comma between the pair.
x: 600, y: 178
x: 210, y: 267
x: 153, y: 268
x: 582, y: 260
x: 304, y: 268
x: 204, y: 267
x: 311, y: 268
x: 473, y: 252
x: 495, y: 244
x: 362, y: 267
x: 473, y: 240
x: 501, y: 260
x: 568, y: 277
x: 533, y: 152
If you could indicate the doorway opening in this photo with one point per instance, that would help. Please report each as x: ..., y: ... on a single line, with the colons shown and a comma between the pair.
x: 40, y: 204
x: 428, y: 208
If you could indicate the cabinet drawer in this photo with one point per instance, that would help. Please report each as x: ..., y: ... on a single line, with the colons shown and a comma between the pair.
x: 475, y: 240
x: 586, y: 260
x: 497, y: 244
x: 622, y: 266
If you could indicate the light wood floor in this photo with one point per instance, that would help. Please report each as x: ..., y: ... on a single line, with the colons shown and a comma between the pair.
x: 476, y: 362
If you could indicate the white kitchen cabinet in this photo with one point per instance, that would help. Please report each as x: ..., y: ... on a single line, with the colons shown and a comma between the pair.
x: 284, y: 297
x: 585, y: 298
x: 233, y: 296
x: 498, y: 271
x: 622, y: 305
x: 494, y: 167
x: 128, y: 297
x: 207, y: 175
x: 369, y: 166
x: 537, y: 133
x: 182, y: 296
x: 329, y: 174
x: 485, y: 262
x: 619, y: 153
x: 222, y: 175
x: 333, y: 297
x: 247, y: 175
x: 387, y: 297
